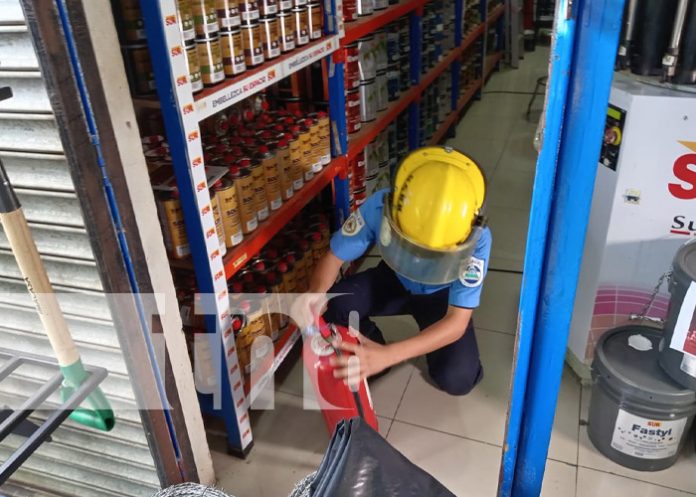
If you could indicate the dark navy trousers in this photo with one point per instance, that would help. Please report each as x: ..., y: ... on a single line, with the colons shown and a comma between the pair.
x: 455, y: 368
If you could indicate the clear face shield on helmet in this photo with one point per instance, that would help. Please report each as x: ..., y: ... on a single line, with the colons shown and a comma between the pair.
x: 424, y: 264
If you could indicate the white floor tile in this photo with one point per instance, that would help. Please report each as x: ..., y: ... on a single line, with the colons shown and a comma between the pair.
x: 388, y: 390
x: 564, y: 439
x: 481, y: 414
x: 559, y: 480
x: 597, y: 483
x: 289, y: 443
x: 510, y: 188
x: 679, y: 477
x: 467, y: 468
x: 384, y: 425
x: 509, y: 228
x: 500, y: 300
x: 486, y: 152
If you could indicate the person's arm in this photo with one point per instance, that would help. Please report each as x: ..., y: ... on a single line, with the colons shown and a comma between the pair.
x: 308, y: 306
x: 373, y: 357
x: 325, y: 273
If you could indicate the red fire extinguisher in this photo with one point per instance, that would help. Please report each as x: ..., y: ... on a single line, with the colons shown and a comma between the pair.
x: 337, y: 400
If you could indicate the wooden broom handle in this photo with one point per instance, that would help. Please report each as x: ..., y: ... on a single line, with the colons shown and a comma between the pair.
x: 32, y: 268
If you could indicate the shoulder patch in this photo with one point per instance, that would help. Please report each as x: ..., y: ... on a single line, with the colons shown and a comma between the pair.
x: 353, y: 224
x: 471, y: 275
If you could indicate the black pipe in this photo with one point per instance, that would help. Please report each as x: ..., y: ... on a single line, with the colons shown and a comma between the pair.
x: 653, y: 29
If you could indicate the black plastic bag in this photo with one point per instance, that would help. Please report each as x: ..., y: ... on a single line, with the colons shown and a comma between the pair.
x: 360, y: 463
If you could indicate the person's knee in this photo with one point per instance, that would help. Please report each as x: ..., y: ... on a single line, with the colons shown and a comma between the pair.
x: 457, y: 383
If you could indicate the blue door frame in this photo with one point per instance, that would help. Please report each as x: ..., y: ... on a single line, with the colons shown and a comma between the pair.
x: 586, y: 36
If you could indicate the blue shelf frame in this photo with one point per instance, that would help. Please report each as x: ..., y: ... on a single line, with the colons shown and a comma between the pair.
x: 578, y: 92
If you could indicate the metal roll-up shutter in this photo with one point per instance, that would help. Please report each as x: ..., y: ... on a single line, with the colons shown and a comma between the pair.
x: 79, y: 461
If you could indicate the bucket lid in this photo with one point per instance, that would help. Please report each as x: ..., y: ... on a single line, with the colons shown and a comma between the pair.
x: 627, y: 359
x: 684, y: 265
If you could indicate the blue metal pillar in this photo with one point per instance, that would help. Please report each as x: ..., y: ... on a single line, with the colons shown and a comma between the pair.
x: 176, y: 137
x: 585, y: 42
x: 339, y: 130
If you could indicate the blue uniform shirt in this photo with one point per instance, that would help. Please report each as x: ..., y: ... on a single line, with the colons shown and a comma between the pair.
x: 361, y: 230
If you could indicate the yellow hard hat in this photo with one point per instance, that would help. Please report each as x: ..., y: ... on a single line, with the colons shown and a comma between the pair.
x: 437, y: 196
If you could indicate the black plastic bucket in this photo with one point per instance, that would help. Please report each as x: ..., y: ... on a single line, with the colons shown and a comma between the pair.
x: 639, y: 417
x: 679, y: 366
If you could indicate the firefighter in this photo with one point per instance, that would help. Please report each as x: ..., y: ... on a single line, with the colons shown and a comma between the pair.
x: 435, y: 247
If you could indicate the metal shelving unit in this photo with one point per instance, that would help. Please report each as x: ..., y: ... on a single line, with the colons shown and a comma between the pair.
x: 182, y: 111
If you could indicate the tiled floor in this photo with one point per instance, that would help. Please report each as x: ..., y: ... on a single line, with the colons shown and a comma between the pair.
x: 458, y: 439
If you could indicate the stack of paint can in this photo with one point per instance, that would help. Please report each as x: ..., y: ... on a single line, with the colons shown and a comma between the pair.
x: 377, y: 163
x: 402, y: 136
x: 222, y: 38
x: 352, y: 9
x: 367, y: 70
x: 136, y: 57
x: 432, y: 35
x: 254, y: 163
x: 470, y: 67
x: 261, y: 292
x: 436, y: 105
x: 472, y: 15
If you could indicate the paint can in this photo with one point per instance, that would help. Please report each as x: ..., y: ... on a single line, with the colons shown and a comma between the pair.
x: 639, y: 417
x: 360, y: 196
x: 274, y: 283
x: 316, y: 20
x: 268, y: 8
x: 270, y: 36
x: 284, y: 6
x: 205, y: 19
x: 324, y: 138
x: 315, y: 141
x: 287, y: 31
x: 368, y: 100
x: 229, y: 16
x: 185, y: 15
x: 226, y: 192
x: 357, y: 168
x: 132, y: 23
x: 251, y: 41
x: 393, y: 76
x: 217, y: 215
x: 232, y: 52
x: 269, y: 163
x: 371, y: 184
x: 244, y: 184
x: 393, y: 54
x: 299, y: 3
x: 171, y: 217
x: 679, y: 366
x: 351, y: 67
x: 380, y: 4
x: 305, y: 139
x: 296, y: 157
x: 365, y: 7
x: 371, y: 159
x: 260, y: 200
x: 195, y: 77
x: 210, y: 60
x: 285, y: 169
x: 353, y: 122
x: 139, y: 69
x: 366, y: 58
x: 249, y: 10
x: 382, y: 92
x: 350, y: 10
x: 380, y: 48
x: 300, y: 25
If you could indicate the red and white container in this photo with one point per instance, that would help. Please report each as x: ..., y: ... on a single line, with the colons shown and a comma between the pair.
x: 353, y: 122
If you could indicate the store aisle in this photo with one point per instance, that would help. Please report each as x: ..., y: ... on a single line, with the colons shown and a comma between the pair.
x: 459, y: 439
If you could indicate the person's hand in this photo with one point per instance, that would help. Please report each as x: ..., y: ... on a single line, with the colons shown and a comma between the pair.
x: 307, y: 308
x: 368, y: 358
